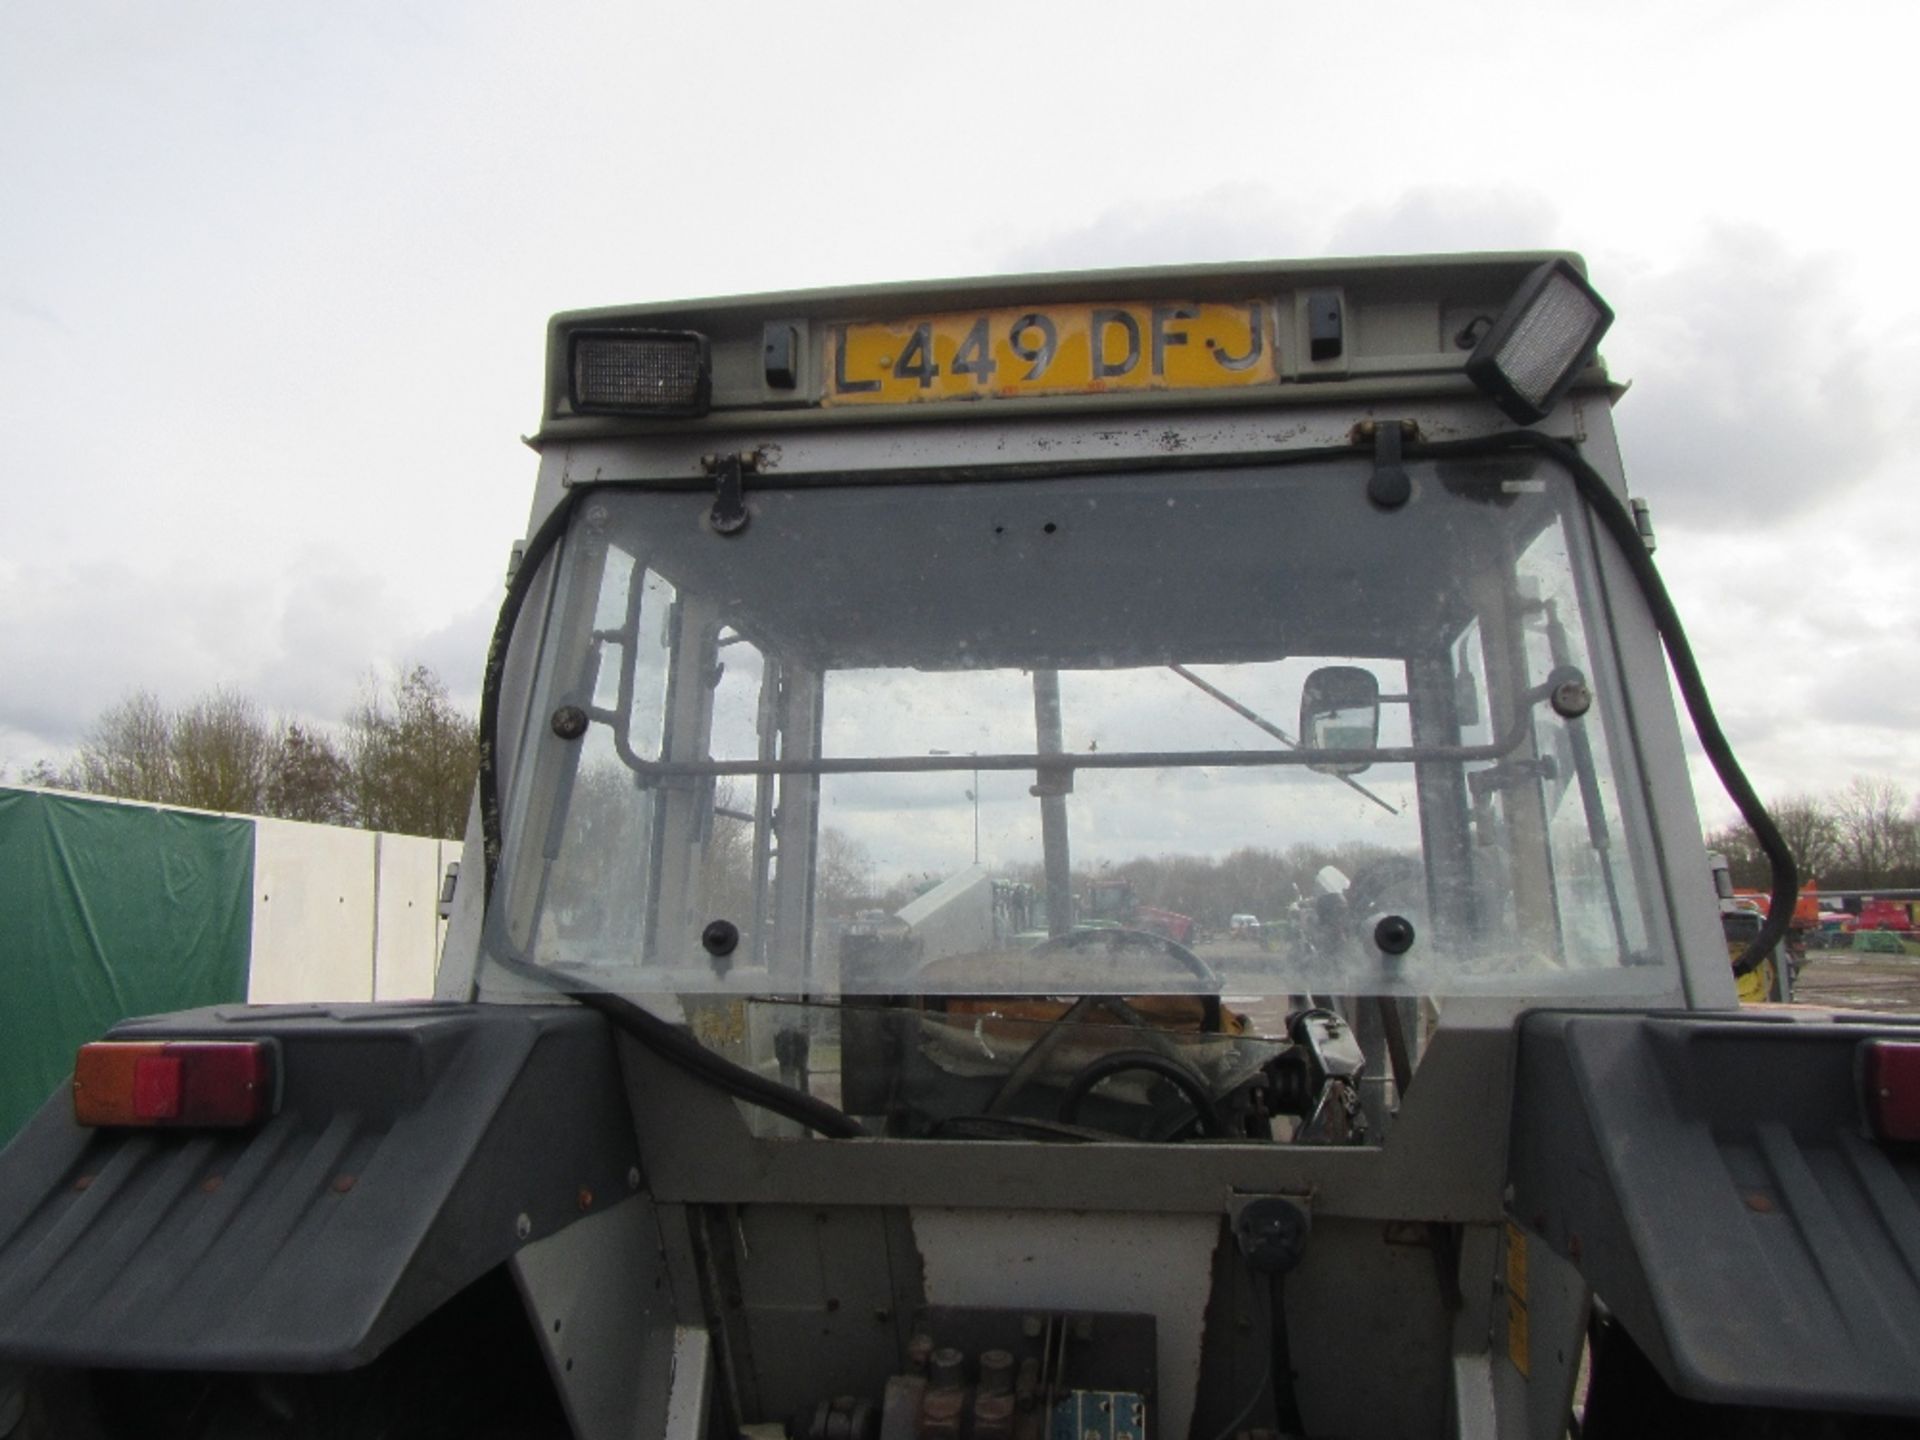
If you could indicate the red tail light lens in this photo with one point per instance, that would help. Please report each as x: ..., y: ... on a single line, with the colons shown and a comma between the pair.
x: 157, y: 1084
x: 192, y: 1083
x: 1890, y: 1088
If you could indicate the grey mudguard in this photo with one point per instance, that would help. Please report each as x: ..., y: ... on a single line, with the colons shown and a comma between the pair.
x: 1713, y: 1181
x: 415, y: 1148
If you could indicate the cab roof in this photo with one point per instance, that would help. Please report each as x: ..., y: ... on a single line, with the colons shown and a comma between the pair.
x: 1404, y: 325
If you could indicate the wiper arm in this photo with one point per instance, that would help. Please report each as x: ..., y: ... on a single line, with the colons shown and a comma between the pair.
x: 1274, y: 730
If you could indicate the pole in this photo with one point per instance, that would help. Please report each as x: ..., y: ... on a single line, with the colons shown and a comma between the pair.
x: 1050, y: 788
x: 976, y: 816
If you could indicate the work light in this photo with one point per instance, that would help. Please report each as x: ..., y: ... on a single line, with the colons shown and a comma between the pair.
x: 639, y: 372
x: 1546, y: 336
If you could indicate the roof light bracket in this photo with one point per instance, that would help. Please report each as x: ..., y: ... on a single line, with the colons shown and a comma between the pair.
x: 729, y: 513
x: 1389, y: 486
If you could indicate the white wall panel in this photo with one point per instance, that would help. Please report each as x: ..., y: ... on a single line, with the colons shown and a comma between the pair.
x: 407, y: 936
x: 313, y: 913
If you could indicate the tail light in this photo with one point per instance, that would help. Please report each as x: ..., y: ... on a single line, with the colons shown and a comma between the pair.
x: 1890, y: 1089
x: 224, y: 1084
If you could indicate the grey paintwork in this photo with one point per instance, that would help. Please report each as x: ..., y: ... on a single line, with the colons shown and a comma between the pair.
x: 607, y: 1314
x: 1711, y: 1179
x: 414, y: 1150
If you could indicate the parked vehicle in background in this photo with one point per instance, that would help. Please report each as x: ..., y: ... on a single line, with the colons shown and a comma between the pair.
x: 1114, y: 902
x: 1878, y: 942
x: 1758, y: 972
x: 1882, y: 914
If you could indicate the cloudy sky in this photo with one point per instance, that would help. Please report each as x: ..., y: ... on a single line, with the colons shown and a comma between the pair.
x: 273, y: 282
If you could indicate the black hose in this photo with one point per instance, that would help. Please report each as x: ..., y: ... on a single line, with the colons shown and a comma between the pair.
x: 517, y: 590
x: 673, y: 1044
x: 1619, y: 524
x: 1183, y: 1078
x: 678, y: 1047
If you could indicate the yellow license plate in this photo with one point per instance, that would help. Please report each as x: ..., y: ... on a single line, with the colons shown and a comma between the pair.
x: 1050, y: 350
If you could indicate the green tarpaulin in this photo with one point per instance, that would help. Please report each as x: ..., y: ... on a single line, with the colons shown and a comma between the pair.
x: 108, y: 911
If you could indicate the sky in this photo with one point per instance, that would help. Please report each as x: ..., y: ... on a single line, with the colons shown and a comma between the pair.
x: 274, y: 283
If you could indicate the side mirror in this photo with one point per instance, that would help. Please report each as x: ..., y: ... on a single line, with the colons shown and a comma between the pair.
x: 1340, y: 710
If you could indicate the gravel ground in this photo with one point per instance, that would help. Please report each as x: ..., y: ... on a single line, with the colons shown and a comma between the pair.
x: 1863, y: 982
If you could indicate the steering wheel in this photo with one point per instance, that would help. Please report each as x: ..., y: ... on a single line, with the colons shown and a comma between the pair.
x: 1115, y: 941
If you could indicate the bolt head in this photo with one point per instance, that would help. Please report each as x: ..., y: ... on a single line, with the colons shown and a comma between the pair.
x: 1394, y: 934
x: 1389, y: 488
x: 569, y: 722
x: 1571, y: 699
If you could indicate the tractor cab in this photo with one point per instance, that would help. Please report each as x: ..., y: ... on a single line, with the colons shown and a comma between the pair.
x: 1098, y: 856
x: 739, y: 741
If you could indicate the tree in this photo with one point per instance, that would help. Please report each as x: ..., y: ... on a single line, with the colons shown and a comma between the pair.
x: 42, y: 774
x: 1808, y: 826
x: 1874, y: 834
x: 223, y: 754
x: 411, y: 758
x: 310, y: 779
x: 216, y: 753
x: 408, y: 764
x: 128, y: 752
x: 843, y: 872
x: 727, y: 861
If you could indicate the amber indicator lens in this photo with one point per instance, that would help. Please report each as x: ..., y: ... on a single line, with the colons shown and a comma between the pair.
x: 1890, y: 1089
x: 219, y: 1084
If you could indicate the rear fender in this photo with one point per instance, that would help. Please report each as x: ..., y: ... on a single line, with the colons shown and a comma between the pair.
x: 415, y: 1148
x: 1712, y: 1179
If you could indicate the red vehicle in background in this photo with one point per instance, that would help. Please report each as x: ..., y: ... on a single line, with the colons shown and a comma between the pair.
x: 1878, y: 914
x: 1806, y: 909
